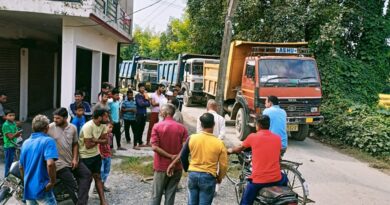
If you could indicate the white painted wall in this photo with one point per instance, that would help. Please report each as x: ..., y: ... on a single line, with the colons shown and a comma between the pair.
x: 96, y: 78
x: 23, y: 110
x: 112, y: 70
x: 87, y: 38
x: 68, y: 66
x: 49, y: 7
x: 55, y: 81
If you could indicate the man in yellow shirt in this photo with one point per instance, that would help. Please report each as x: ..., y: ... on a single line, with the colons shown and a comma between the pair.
x: 207, y: 152
x: 92, y: 134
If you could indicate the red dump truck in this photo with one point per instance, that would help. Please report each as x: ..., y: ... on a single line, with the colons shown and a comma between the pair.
x: 256, y: 70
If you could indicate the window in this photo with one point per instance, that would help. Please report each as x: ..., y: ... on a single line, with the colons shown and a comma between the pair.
x: 250, y: 69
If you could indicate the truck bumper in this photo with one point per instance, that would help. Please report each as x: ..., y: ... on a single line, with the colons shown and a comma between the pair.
x: 311, y: 120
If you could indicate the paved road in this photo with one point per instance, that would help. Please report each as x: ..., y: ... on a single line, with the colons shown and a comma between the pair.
x: 333, y: 178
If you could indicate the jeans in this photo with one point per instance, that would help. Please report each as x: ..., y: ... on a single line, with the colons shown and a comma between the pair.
x: 116, y: 130
x: 77, y: 182
x: 106, y: 167
x: 140, y: 127
x: 129, y: 123
x: 153, y: 120
x: 48, y: 199
x: 163, y: 184
x: 201, y: 188
x: 252, y: 189
x: 8, y: 159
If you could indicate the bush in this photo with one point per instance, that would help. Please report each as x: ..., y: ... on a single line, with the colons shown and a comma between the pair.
x: 357, y: 125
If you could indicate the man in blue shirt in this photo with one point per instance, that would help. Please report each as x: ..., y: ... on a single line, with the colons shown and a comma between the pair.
x: 78, y: 98
x: 129, y: 108
x: 114, y: 113
x: 37, y: 166
x: 142, y: 102
x: 278, y: 119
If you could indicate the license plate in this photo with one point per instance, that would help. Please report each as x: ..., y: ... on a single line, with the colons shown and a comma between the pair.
x: 292, y: 128
x: 309, y: 120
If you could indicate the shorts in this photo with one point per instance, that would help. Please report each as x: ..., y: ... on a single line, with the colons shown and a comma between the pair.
x: 94, y: 164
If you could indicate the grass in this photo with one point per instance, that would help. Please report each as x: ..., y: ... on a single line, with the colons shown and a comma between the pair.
x: 137, y: 165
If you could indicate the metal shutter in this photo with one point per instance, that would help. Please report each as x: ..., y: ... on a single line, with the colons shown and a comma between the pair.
x: 40, y: 81
x: 10, y: 75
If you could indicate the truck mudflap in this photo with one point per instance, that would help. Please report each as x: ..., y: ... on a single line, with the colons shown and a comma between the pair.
x: 311, y: 120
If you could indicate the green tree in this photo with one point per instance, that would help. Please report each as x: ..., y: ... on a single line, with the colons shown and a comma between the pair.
x: 206, y: 18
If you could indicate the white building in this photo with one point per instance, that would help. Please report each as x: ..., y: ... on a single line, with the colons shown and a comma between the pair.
x: 51, y: 48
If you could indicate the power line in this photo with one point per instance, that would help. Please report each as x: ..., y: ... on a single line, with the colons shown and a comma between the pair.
x: 127, y: 15
x: 153, y: 12
x: 147, y: 23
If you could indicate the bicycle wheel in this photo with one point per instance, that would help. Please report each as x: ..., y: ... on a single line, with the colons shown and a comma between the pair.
x: 296, y: 182
x: 234, y: 169
x: 236, y: 176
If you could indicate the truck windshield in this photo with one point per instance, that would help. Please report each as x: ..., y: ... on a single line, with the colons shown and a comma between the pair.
x: 288, y: 72
x: 150, y: 67
x: 197, y: 69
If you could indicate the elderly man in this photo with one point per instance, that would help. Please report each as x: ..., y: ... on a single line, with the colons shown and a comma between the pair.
x: 37, y: 164
x: 68, y: 165
x: 219, y: 121
x: 168, y: 136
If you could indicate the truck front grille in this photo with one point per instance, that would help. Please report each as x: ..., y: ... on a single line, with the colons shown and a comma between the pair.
x: 198, y: 86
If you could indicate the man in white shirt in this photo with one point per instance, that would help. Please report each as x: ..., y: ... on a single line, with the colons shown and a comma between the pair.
x: 219, y: 128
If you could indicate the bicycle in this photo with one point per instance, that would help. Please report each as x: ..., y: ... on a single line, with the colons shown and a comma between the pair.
x: 240, y: 169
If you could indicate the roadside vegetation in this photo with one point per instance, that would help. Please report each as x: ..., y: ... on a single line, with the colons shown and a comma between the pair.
x: 142, y: 166
x: 349, y: 39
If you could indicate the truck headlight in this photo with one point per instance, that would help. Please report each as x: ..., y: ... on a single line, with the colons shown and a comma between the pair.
x: 314, y: 109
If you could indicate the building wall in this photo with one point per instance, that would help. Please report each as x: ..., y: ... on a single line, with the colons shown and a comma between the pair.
x: 49, y: 7
x: 87, y: 38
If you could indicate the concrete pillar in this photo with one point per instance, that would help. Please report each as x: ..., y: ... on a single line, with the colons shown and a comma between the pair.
x: 23, y: 110
x: 96, y: 76
x: 55, y: 84
x: 68, y: 65
x: 112, y: 70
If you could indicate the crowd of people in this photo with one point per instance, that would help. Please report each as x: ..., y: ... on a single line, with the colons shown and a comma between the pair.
x: 79, y: 150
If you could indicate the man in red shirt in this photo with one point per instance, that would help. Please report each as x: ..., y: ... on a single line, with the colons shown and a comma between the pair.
x: 266, y: 148
x: 167, y: 140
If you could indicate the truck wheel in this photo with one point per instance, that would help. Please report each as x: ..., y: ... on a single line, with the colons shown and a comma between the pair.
x: 302, y: 133
x: 187, y: 100
x: 242, y: 128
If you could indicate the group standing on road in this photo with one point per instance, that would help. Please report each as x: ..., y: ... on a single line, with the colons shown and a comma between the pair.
x: 79, y: 150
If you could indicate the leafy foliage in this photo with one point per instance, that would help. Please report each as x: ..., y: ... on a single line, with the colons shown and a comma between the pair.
x: 357, y: 125
x: 348, y: 39
x: 167, y: 45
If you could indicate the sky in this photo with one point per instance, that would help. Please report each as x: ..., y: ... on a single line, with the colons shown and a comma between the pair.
x: 157, y: 16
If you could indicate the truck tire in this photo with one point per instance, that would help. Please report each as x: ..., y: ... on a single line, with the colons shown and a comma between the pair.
x: 242, y: 128
x: 303, y: 132
x: 187, y: 100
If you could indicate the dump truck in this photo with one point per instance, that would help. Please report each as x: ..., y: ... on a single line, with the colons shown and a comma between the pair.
x: 186, y: 71
x: 139, y: 69
x: 256, y: 70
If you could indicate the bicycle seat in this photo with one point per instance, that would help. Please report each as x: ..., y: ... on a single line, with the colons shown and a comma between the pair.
x: 278, y: 195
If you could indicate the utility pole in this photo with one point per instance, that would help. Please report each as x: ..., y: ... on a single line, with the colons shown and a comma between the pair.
x: 227, y: 38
